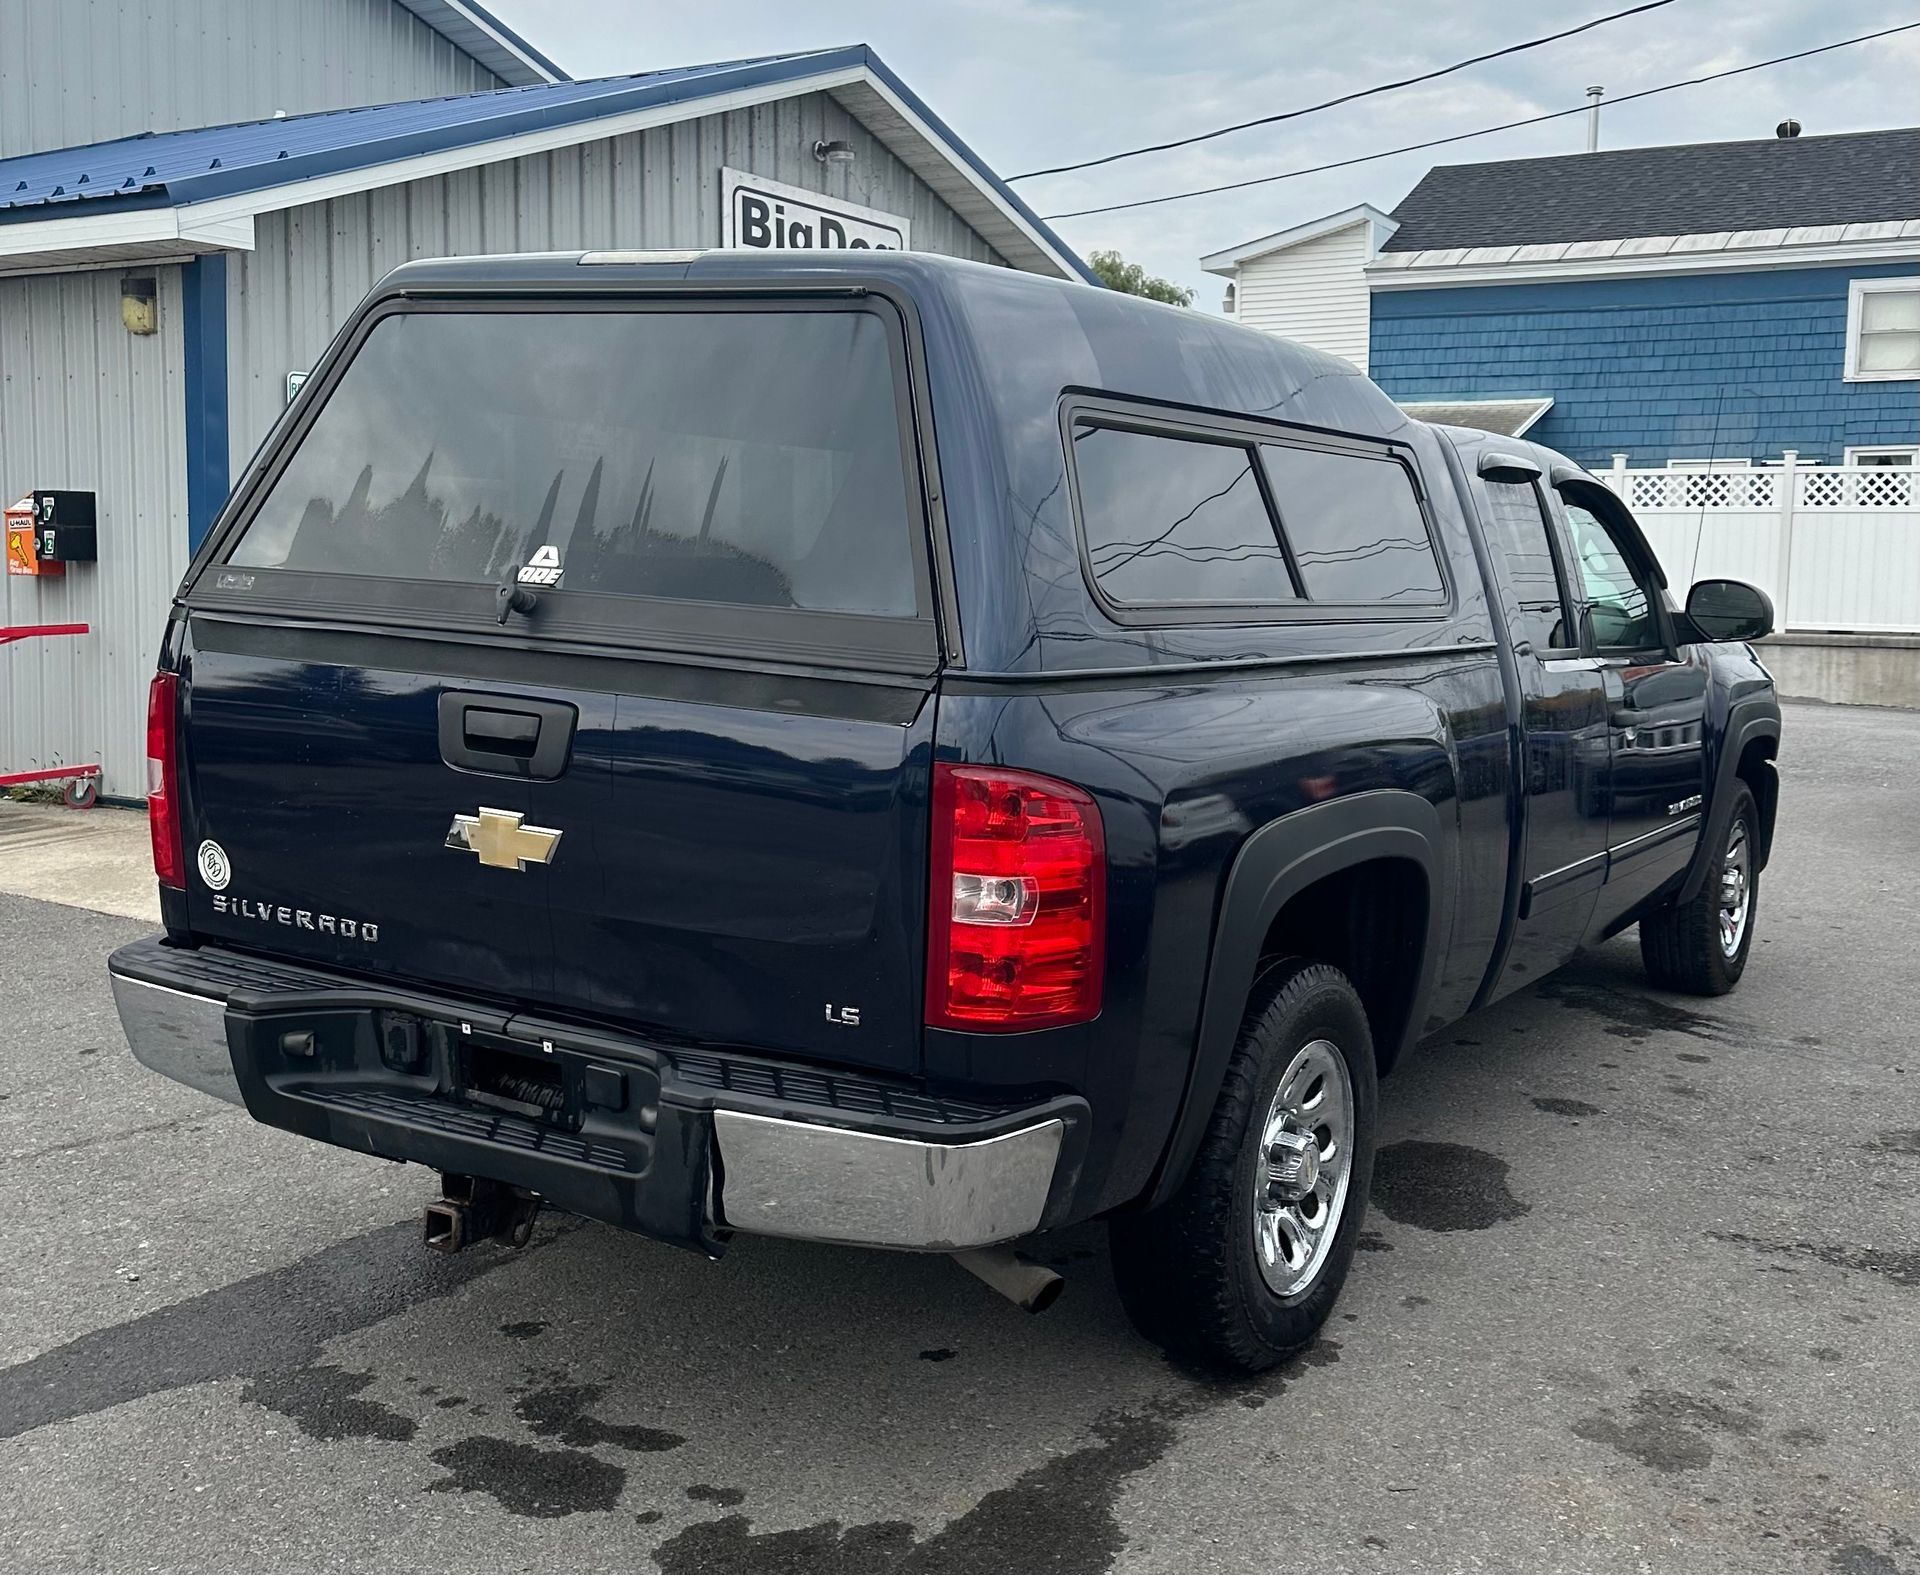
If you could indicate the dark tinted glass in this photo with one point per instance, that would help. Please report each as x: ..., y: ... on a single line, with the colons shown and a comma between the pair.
x: 750, y: 458
x: 1619, y: 605
x: 1171, y: 519
x: 1355, y: 526
x: 1519, y: 532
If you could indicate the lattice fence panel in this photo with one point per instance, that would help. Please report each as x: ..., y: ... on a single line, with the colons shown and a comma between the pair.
x: 1870, y: 487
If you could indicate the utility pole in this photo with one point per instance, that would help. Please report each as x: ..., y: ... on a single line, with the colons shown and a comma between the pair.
x: 1593, y: 119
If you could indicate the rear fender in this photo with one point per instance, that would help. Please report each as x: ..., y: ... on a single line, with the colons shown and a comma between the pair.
x: 1274, y: 865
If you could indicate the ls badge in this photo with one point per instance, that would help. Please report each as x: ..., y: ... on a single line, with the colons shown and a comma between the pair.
x: 501, y: 842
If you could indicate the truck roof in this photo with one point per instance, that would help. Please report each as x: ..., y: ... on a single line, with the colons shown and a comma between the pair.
x: 1053, y: 331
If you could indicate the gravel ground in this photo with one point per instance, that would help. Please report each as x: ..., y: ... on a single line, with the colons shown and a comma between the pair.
x: 1642, y: 1292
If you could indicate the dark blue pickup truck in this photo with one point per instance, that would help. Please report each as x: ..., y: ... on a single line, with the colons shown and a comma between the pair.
x: 886, y: 750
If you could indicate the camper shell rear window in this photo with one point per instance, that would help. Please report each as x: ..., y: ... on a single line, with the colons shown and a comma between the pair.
x: 732, y: 472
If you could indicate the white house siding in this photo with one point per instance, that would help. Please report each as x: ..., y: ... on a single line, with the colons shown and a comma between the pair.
x: 312, y: 265
x: 1315, y: 292
x: 87, y: 405
x: 80, y: 71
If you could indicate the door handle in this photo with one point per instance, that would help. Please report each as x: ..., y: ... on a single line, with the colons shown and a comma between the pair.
x: 506, y: 735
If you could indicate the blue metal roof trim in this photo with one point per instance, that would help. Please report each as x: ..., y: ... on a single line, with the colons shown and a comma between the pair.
x: 176, y: 168
x: 217, y: 161
x: 979, y: 166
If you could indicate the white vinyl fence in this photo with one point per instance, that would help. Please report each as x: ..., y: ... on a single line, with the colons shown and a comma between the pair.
x: 1835, y: 547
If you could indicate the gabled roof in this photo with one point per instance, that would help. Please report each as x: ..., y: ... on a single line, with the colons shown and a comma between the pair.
x: 1381, y: 225
x: 1693, y: 189
x: 476, y: 31
x: 210, y: 178
x: 1505, y: 417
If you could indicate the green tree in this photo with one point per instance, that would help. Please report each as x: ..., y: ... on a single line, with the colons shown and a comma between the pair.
x: 1116, y: 273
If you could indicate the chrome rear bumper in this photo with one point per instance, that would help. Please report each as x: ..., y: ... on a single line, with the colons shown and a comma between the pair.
x: 775, y: 1176
x: 795, y: 1178
x: 178, y: 1035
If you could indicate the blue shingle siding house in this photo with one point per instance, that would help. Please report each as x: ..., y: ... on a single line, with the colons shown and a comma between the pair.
x: 1718, y: 301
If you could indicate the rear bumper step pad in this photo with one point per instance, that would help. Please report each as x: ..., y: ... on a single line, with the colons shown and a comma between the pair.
x: 683, y: 1146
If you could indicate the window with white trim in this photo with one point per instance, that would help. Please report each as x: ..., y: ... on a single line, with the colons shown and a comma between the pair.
x: 1884, y: 458
x: 1883, y: 330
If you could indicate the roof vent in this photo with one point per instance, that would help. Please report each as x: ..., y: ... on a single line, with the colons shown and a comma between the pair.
x: 1787, y: 130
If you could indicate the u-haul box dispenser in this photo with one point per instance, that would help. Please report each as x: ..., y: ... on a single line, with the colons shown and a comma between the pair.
x: 50, y: 528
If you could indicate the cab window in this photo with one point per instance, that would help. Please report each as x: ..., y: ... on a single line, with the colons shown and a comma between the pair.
x: 1621, y: 609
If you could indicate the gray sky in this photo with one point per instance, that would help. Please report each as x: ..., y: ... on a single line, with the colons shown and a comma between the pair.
x: 1038, y: 82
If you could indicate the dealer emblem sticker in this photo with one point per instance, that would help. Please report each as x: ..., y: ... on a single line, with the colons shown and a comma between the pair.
x: 214, y: 868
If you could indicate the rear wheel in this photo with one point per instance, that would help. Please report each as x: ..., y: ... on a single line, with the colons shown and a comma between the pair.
x: 1701, y: 947
x: 1240, y: 1268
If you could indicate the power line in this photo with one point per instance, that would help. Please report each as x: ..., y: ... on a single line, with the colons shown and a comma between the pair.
x: 1484, y: 131
x: 1345, y: 98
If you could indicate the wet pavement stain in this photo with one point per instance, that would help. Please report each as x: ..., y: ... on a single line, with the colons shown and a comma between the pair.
x: 725, y: 1497
x: 323, y: 1402
x: 1636, y: 1016
x: 1903, y: 1268
x: 541, y: 1484
x: 941, y: 1353
x: 267, y: 1323
x: 526, y: 1329
x: 1063, y: 1509
x: 1667, y: 1430
x: 1856, y: 1558
x: 1566, y: 1107
x: 561, y: 1413
x: 1443, y: 1187
x: 1693, y: 1060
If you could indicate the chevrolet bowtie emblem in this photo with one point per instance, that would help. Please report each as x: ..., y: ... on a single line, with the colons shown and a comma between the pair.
x: 501, y: 842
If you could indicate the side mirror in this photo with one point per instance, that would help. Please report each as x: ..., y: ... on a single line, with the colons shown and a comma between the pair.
x: 1729, y: 610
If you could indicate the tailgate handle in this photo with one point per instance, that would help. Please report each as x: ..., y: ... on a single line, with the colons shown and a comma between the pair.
x: 506, y: 735
x: 503, y: 732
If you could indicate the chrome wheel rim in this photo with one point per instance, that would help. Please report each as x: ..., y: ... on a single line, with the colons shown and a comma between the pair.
x: 1736, y: 891
x: 1301, y: 1168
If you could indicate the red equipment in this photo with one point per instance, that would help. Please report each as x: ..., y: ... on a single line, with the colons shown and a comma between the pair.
x: 83, y: 782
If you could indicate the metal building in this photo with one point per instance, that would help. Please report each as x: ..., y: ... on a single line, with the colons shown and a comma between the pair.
x: 158, y: 292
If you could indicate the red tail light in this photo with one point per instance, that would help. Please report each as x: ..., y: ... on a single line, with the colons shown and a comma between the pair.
x: 1016, y: 934
x: 163, y: 781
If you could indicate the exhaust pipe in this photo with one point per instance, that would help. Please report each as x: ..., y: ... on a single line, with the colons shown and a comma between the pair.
x: 1026, y: 1284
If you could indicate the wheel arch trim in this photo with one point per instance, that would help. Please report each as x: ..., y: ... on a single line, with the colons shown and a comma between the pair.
x: 1757, y: 720
x: 1274, y: 865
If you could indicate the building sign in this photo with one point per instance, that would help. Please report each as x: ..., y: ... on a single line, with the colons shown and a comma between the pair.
x: 770, y: 216
x: 294, y: 380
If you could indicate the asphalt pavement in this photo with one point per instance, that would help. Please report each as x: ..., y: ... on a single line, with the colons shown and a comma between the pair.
x: 1641, y: 1292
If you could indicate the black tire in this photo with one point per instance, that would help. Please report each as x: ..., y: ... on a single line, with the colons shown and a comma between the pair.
x: 1681, y: 944
x: 1188, y: 1272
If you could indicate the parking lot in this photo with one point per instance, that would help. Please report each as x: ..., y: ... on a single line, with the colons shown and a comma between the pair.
x: 1641, y: 1291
